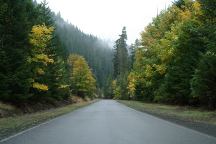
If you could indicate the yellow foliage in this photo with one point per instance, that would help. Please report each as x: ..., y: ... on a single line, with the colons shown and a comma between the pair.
x: 161, y: 69
x: 114, y: 83
x: 131, y: 84
x: 41, y: 30
x: 82, y: 77
x: 40, y: 35
x: 116, y: 90
x: 186, y: 15
x: 44, y: 58
x: 148, y: 71
x: 41, y: 87
x: 39, y: 38
x: 63, y: 86
x: 197, y: 8
x: 40, y: 71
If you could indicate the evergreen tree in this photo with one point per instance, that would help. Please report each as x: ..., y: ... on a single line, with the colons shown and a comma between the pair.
x: 34, y: 49
x: 121, y: 65
x: 204, y: 79
x: 132, y: 49
x: 121, y: 55
x: 181, y: 69
x: 56, y: 75
x: 14, y: 16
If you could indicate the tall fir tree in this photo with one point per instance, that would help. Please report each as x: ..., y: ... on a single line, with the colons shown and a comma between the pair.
x: 120, y: 60
x: 15, y: 25
x: 121, y: 64
x: 204, y: 80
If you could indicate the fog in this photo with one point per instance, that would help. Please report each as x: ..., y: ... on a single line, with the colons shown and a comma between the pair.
x: 105, y: 18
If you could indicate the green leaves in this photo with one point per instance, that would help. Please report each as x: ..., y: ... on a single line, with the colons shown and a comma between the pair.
x: 204, y: 79
x: 176, y: 61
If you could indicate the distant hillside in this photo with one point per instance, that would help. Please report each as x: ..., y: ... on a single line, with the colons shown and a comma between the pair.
x: 97, y: 52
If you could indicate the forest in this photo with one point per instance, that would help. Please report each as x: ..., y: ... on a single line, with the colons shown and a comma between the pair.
x: 174, y: 62
x: 127, y: 73
x: 45, y: 58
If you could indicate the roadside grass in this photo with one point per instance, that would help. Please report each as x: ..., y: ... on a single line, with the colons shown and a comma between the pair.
x: 8, y: 110
x: 7, y: 107
x: 180, y: 112
x: 15, y: 124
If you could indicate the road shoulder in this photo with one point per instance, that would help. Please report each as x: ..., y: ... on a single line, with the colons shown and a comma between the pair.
x: 10, y: 126
x: 175, y: 116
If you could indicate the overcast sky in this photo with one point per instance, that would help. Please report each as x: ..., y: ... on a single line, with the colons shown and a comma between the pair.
x: 105, y: 18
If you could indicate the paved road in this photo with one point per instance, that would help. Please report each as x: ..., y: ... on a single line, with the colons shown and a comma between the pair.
x: 108, y: 122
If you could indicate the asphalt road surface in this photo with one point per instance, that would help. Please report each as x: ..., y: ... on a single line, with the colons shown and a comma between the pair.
x: 108, y: 122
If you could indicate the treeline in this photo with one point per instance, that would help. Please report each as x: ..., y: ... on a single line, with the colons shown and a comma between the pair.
x: 35, y: 63
x: 175, y: 61
x: 97, y: 52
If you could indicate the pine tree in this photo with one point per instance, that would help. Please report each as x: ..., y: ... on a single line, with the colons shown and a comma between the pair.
x: 14, y: 16
x: 121, y: 55
x: 121, y: 64
x: 56, y: 75
x: 204, y: 79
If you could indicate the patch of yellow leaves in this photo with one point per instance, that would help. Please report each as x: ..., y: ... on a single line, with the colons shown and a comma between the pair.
x: 131, y: 84
x: 148, y: 71
x: 186, y: 15
x: 44, y: 58
x: 40, y: 35
x: 197, y: 8
x: 41, y: 87
x: 161, y: 69
x: 40, y: 71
